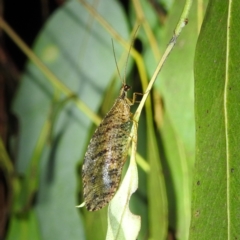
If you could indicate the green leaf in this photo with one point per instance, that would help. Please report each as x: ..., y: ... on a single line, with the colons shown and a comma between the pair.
x: 158, y: 206
x: 24, y: 228
x: 175, y: 86
x: 122, y: 224
x: 215, y: 202
x: 177, y: 177
x: 175, y: 83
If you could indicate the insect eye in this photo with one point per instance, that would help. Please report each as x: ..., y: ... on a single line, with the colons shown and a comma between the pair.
x: 126, y: 87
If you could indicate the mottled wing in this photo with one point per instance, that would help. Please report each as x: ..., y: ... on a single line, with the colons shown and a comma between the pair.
x: 105, y: 156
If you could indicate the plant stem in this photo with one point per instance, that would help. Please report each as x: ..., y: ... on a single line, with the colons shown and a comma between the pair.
x: 182, y: 23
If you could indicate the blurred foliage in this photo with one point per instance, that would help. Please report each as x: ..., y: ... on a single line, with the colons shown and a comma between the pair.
x: 57, y: 117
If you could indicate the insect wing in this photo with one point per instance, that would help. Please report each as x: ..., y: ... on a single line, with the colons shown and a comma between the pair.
x: 105, y: 156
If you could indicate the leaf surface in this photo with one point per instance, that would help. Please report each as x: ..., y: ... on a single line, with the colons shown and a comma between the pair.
x: 215, y: 202
x: 24, y: 229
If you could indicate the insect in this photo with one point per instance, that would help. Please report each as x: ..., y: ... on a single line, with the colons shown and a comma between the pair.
x: 107, y: 153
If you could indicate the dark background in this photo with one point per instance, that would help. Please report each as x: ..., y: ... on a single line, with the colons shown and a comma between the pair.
x: 26, y: 18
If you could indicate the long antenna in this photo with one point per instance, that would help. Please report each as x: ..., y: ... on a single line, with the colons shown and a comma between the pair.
x: 125, y: 72
x: 116, y: 63
x: 132, y: 42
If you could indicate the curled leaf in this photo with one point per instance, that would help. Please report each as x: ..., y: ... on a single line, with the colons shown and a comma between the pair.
x: 122, y: 223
